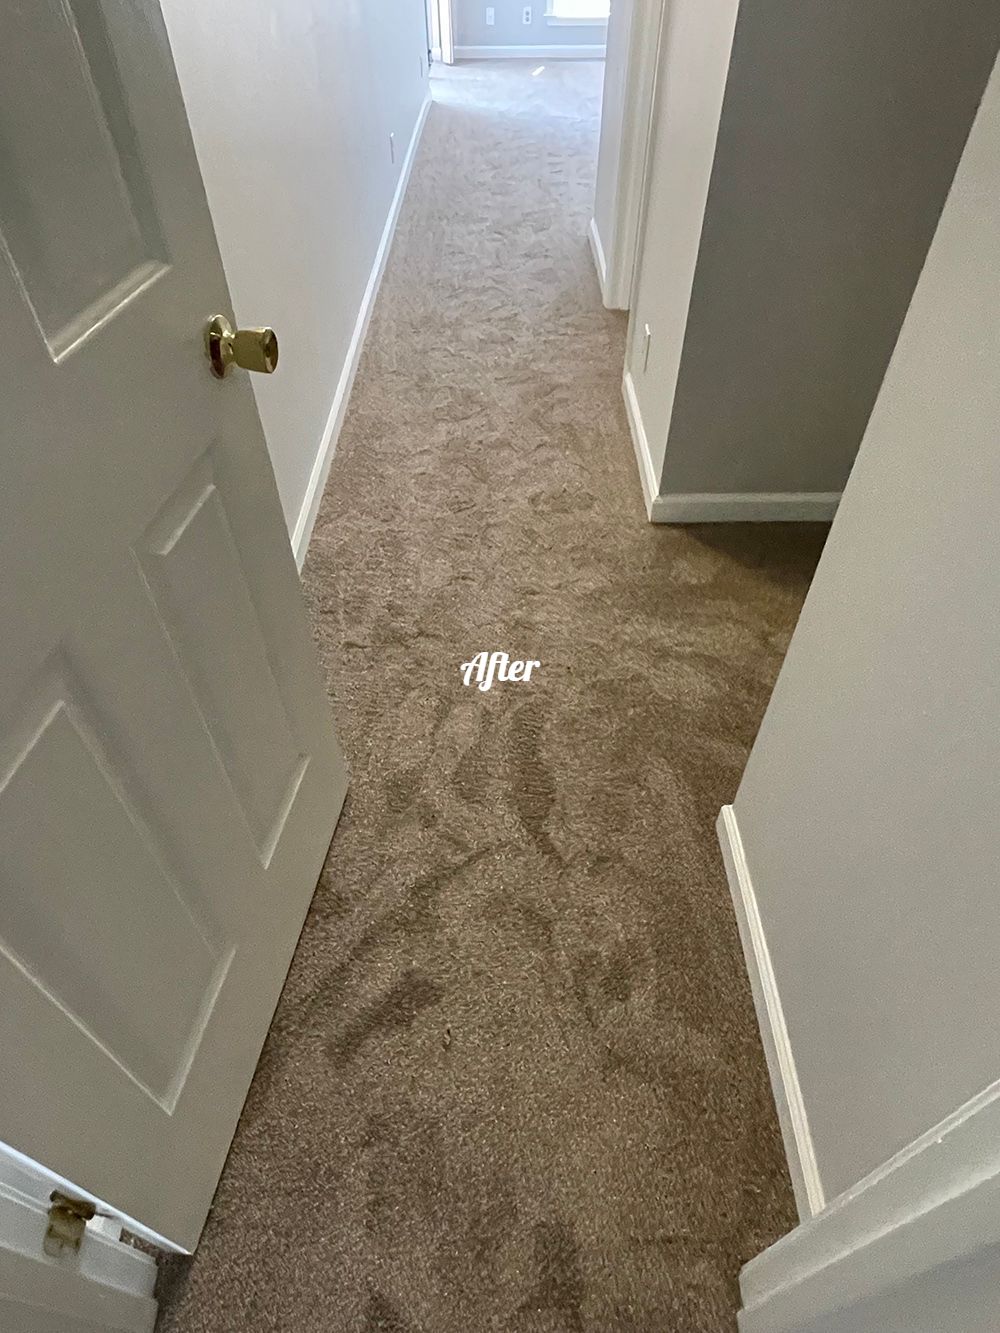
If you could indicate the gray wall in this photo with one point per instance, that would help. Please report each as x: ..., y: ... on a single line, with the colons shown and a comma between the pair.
x: 471, y: 29
x: 869, y: 806
x: 841, y: 128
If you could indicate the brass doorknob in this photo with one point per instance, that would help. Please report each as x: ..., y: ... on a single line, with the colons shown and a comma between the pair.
x: 253, y: 349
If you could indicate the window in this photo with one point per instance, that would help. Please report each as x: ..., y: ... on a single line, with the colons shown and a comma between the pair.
x: 578, y: 11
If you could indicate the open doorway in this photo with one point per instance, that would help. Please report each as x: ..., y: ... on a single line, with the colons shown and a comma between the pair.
x: 510, y: 30
x: 441, y: 31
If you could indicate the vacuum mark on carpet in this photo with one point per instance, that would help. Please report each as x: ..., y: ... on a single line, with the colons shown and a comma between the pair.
x: 560, y: 1281
x: 380, y: 1317
x: 393, y: 1012
x: 533, y: 789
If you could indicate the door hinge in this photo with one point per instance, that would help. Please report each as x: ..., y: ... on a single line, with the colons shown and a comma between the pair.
x: 68, y: 1219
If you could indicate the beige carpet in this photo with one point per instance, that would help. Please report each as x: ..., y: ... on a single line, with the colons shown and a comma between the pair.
x: 515, y: 1081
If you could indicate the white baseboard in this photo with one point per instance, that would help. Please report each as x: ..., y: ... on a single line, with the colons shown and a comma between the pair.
x: 563, y: 52
x: 328, y: 442
x: 600, y: 262
x: 791, y: 1109
x: 647, y: 472
x: 760, y: 507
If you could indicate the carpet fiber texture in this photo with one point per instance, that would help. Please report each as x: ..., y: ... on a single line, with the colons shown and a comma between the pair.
x: 514, y: 1081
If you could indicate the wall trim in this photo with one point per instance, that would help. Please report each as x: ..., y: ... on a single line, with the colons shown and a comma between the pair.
x: 809, y: 1196
x: 564, y: 51
x: 600, y: 263
x: 309, y: 508
x: 751, y: 507
x: 647, y: 472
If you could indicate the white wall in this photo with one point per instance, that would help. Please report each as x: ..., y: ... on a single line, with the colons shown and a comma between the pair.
x: 840, y: 131
x: 291, y: 107
x: 508, y: 30
x: 869, y: 807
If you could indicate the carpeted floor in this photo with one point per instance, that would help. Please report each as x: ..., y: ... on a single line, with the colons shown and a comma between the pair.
x: 514, y: 1082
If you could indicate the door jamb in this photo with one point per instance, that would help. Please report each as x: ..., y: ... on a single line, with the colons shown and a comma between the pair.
x: 647, y: 23
x: 446, y: 31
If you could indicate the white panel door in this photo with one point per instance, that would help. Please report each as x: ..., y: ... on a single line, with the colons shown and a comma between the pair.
x: 169, y: 774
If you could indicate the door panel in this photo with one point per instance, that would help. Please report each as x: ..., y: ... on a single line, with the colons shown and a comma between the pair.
x: 67, y: 135
x: 136, y: 971
x: 169, y: 773
x: 263, y: 760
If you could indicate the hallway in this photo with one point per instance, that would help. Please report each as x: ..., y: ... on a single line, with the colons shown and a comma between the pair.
x: 514, y: 1081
